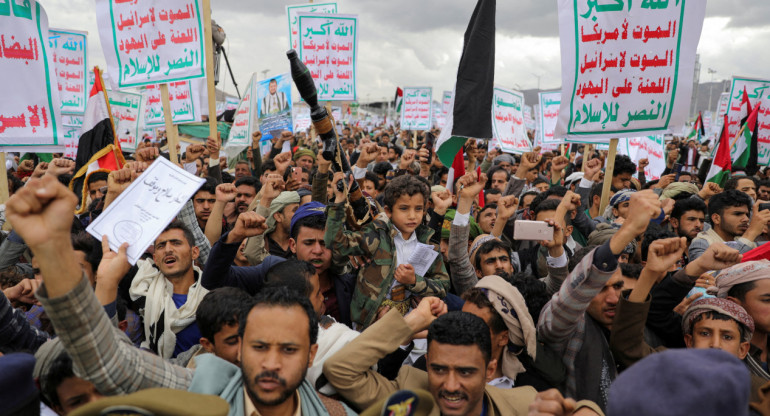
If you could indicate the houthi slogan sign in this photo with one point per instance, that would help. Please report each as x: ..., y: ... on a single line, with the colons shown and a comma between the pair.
x: 627, y: 66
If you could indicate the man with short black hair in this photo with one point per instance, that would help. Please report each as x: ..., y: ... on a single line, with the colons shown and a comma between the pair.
x: 459, y: 363
x: 203, y: 201
x: 270, y: 382
x: 97, y: 184
x: 688, y: 217
x: 743, y: 183
x: 732, y: 220
x: 247, y: 189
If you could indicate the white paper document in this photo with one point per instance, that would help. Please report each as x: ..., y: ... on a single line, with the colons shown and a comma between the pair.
x: 422, y: 258
x: 139, y: 214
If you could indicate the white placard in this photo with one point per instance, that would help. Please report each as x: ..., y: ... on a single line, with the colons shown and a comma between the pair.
x: 328, y: 45
x: 291, y: 15
x: 627, y: 66
x: 141, y: 212
x: 508, y: 121
x: 416, y: 109
x: 69, y: 49
x: 29, y: 108
x: 151, y: 41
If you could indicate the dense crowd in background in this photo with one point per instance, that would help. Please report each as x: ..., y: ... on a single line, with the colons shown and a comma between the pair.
x: 269, y: 293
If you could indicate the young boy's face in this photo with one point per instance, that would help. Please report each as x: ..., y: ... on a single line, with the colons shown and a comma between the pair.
x: 407, y: 213
x: 716, y: 333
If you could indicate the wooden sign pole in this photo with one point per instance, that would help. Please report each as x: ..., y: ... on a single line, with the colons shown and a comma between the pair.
x: 3, y: 180
x: 608, y: 175
x: 586, y: 152
x: 209, y: 43
x: 171, y: 136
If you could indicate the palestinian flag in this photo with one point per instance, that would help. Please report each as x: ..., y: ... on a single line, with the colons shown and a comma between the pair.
x: 399, y: 99
x: 721, y: 165
x: 470, y: 108
x: 456, y: 170
x: 738, y: 143
x: 747, y: 141
x: 698, y: 131
x: 98, y: 147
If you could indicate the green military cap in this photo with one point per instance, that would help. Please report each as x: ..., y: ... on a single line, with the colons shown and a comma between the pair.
x: 157, y: 402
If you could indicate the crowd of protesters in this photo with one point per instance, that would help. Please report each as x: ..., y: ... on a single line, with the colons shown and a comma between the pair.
x: 267, y: 296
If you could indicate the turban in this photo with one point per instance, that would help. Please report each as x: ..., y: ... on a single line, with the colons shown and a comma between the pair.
x: 510, y: 304
x: 306, y: 210
x: 304, y: 152
x: 504, y: 158
x: 277, y: 205
x: 740, y: 273
x: 677, y: 188
x: 723, y: 306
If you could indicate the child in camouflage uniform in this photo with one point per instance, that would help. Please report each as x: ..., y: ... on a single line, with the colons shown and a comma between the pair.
x: 388, y: 280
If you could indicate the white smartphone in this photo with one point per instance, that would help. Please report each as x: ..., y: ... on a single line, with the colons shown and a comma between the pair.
x: 532, y: 230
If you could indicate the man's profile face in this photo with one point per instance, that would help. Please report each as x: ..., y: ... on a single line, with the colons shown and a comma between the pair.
x: 734, y: 220
x: 716, y: 333
x: 756, y: 302
x: 226, y: 343
x: 487, y: 220
x: 74, y: 392
x: 457, y: 375
x: 275, y: 353
x: 764, y: 193
x: 273, y: 86
x: 602, y: 306
x: 173, y: 254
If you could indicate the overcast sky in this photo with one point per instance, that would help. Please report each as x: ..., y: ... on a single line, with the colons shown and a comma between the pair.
x: 418, y: 42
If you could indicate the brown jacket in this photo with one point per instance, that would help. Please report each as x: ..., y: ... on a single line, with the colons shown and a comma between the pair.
x: 349, y: 371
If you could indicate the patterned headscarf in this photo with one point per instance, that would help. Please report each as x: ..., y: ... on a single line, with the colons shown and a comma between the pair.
x: 740, y: 273
x: 723, y: 306
x: 509, y: 303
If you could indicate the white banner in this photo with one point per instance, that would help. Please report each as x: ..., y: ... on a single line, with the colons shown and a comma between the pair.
x: 291, y: 15
x: 627, y: 67
x: 126, y: 108
x: 647, y: 147
x: 301, y: 118
x: 416, y: 109
x: 508, y: 121
x: 29, y: 109
x: 151, y: 41
x: 327, y: 45
x: 185, y: 100
x: 758, y: 91
x: 69, y: 49
x: 548, y: 113
x: 245, y: 122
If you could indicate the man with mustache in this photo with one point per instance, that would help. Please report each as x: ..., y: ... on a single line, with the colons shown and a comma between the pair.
x: 459, y: 363
x: 687, y: 220
x: 278, y: 334
x: 306, y: 243
x: 733, y: 220
x: 246, y: 190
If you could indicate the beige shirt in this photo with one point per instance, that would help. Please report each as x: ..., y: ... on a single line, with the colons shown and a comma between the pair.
x: 250, y: 410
